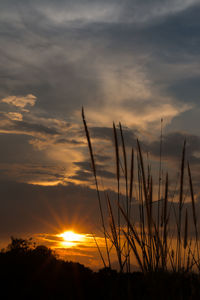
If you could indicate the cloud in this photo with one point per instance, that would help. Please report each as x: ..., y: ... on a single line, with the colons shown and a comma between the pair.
x: 131, y: 97
x: 38, y: 209
x: 67, y: 141
x: 20, y: 101
x: 173, y: 144
x: 31, y: 127
x: 14, y: 116
x: 31, y: 208
x: 84, y: 171
x: 107, y: 133
x: 15, y: 124
x: 100, y: 10
x: 114, y: 81
x: 89, y: 11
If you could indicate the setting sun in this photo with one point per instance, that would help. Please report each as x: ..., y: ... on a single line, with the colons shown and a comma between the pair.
x: 70, y: 238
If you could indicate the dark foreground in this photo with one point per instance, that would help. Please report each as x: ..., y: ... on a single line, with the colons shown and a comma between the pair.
x: 36, y: 273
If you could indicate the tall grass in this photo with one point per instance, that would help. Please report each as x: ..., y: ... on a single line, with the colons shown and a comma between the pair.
x: 153, y: 242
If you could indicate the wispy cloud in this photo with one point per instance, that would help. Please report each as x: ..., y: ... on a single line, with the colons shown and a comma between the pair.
x: 15, y: 116
x: 20, y: 101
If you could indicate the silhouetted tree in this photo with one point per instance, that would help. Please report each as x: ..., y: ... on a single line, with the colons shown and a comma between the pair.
x: 20, y: 245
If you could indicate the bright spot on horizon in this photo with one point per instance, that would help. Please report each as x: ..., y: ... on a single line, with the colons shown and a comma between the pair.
x: 70, y: 238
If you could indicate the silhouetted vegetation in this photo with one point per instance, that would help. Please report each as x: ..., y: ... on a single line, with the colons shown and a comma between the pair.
x: 34, y: 272
x: 159, y: 240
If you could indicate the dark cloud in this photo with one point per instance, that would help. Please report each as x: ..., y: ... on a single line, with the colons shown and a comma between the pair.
x: 44, y: 172
x: 20, y: 161
x: 172, y: 145
x: 31, y: 209
x: 186, y: 89
x: 187, y: 122
x: 107, y: 133
x: 85, y: 172
x: 82, y: 175
x: 86, y: 165
x: 22, y: 125
x: 102, y: 158
x: 106, y: 174
x: 68, y: 141
x: 15, y: 149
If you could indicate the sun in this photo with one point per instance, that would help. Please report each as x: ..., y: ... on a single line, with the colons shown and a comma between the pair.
x: 70, y: 238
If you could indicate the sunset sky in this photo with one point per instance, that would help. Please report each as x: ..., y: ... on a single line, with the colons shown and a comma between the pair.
x: 132, y: 61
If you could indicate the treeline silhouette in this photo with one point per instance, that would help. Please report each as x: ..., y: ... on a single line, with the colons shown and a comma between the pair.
x: 28, y: 271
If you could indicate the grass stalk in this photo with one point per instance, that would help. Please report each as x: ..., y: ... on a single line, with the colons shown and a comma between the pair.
x: 96, y: 183
x: 118, y: 179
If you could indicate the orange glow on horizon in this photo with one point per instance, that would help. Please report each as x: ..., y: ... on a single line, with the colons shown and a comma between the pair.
x: 71, y: 239
x: 71, y: 245
x: 45, y: 183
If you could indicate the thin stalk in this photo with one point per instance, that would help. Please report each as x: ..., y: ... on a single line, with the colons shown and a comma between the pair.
x: 165, y: 222
x: 185, y: 236
x: 193, y: 209
x: 99, y: 251
x: 118, y: 180
x: 96, y: 182
x: 180, y: 206
x: 160, y: 178
x: 114, y: 233
x: 126, y: 184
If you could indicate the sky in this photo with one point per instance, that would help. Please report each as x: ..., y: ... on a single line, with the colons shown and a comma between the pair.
x: 133, y: 61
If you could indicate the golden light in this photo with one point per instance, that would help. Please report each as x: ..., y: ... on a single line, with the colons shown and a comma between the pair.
x: 70, y: 238
x: 45, y: 183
